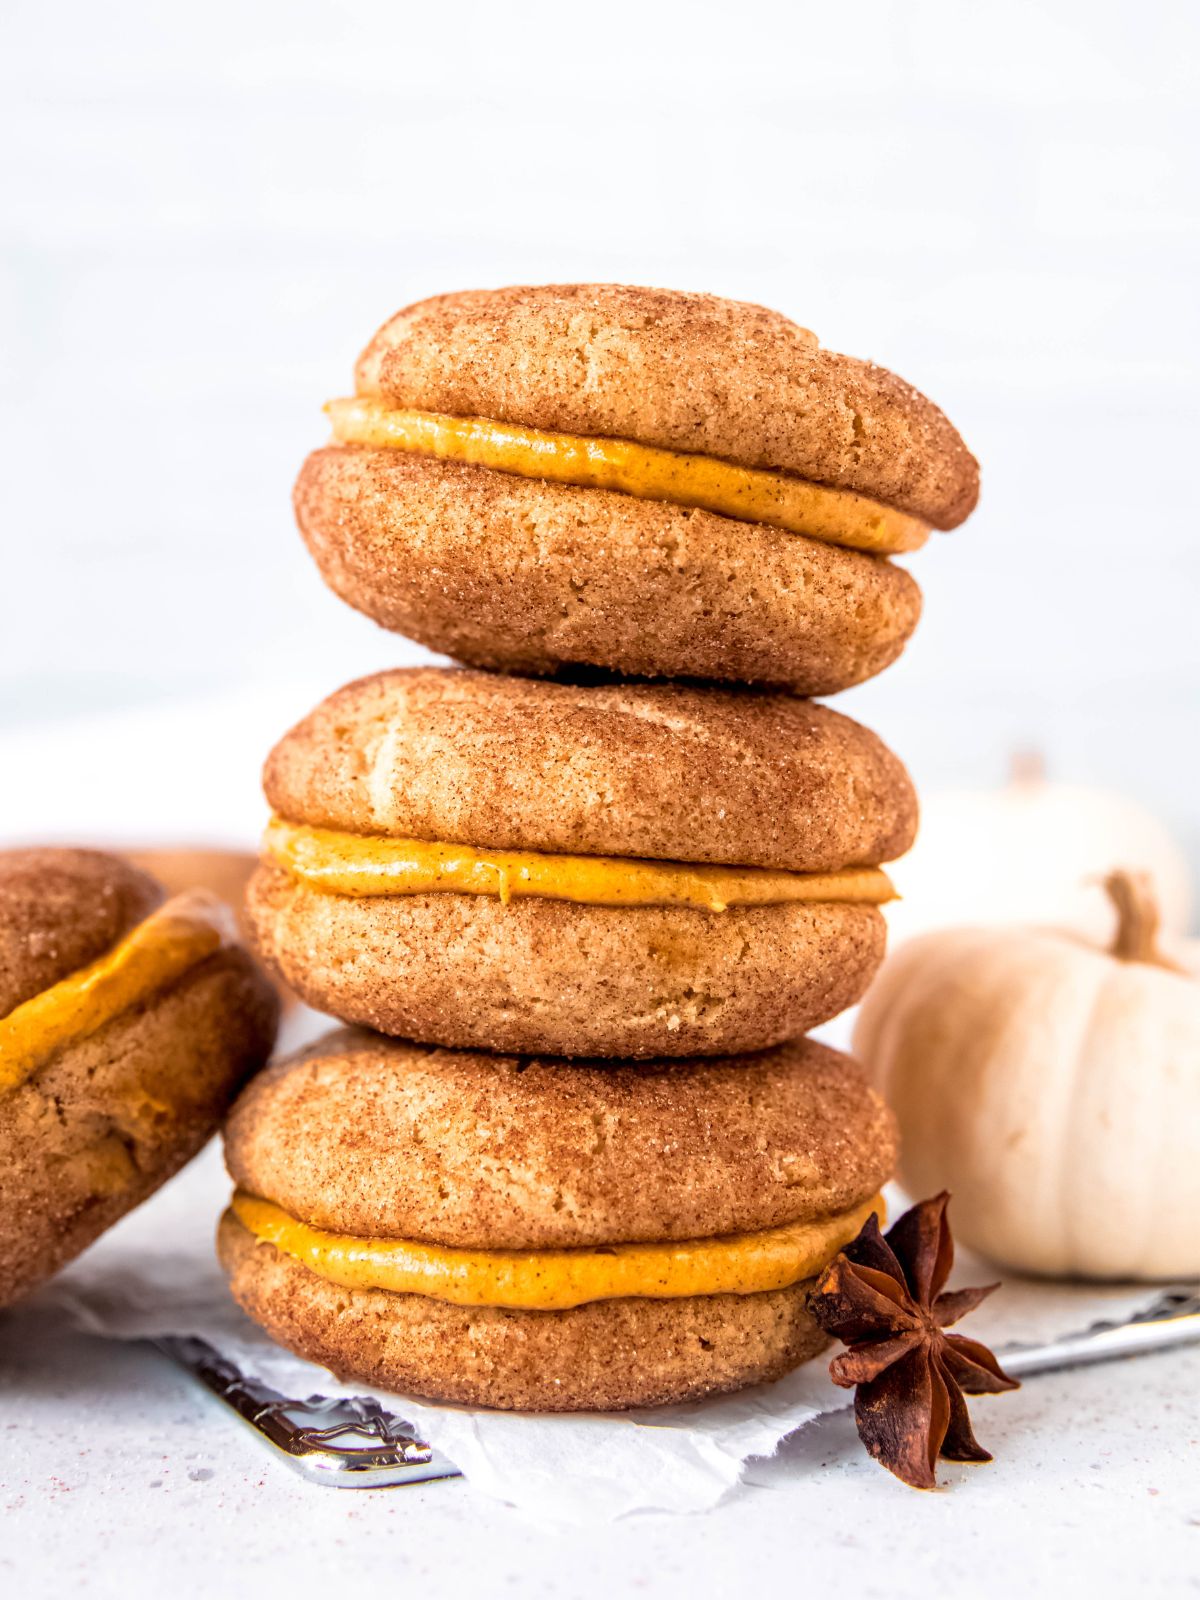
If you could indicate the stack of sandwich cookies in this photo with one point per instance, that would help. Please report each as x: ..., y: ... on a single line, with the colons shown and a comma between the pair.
x: 128, y: 1022
x: 593, y: 1163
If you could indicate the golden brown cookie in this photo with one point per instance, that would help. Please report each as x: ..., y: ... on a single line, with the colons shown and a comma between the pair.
x: 59, y: 910
x: 595, y: 785
x: 467, y: 971
x: 528, y: 576
x: 684, y: 372
x: 362, y: 1151
x: 126, y: 1027
x: 380, y: 1136
x: 659, y: 770
x: 609, y: 1355
x: 650, y: 482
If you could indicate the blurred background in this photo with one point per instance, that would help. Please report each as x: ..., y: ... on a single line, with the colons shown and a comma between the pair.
x: 208, y: 210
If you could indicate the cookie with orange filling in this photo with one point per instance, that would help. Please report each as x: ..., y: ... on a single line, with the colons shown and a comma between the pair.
x: 534, y: 1234
x: 627, y: 870
x: 128, y: 1022
x: 656, y: 483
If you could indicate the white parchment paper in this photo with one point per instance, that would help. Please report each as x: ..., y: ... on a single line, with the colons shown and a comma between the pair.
x: 156, y: 1273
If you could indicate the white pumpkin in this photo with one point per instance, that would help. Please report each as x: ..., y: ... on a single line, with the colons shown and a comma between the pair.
x: 1032, y: 851
x: 1053, y: 1087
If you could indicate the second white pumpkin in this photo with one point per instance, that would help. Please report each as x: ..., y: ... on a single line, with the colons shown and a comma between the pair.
x: 1032, y: 851
x: 1053, y: 1089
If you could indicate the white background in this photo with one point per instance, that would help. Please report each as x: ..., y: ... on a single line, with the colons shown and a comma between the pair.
x: 207, y: 210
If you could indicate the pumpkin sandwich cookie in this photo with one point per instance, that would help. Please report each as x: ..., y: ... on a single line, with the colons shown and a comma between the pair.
x: 656, y: 483
x: 127, y: 1025
x: 616, y: 870
x: 534, y: 1234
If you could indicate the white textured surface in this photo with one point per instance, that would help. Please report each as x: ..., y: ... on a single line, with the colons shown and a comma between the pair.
x: 119, y: 1479
x: 155, y: 1273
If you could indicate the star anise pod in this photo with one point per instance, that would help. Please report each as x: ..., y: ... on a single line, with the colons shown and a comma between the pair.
x: 883, y: 1298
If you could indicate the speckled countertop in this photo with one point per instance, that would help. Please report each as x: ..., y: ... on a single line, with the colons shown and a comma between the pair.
x: 119, y: 1477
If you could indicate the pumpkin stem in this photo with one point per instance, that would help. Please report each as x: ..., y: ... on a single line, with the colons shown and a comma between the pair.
x: 1132, y: 893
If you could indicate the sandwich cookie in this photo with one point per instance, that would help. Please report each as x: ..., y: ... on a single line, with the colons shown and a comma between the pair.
x: 127, y: 1024
x: 656, y: 483
x: 534, y: 1234
x: 620, y: 870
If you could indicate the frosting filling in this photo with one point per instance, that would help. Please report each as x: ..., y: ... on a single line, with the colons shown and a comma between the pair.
x: 176, y: 937
x: 359, y: 864
x: 557, y: 1279
x: 752, y: 494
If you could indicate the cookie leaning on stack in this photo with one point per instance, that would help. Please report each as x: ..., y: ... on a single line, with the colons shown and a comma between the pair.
x: 656, y: 483
x: 127, y: 1025
x: 679, y: 878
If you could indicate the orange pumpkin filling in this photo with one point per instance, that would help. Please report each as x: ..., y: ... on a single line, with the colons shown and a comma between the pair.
x: 752, y: 494
x: 176, y: 937
x: 557, y: 1279
x: 357, y: 864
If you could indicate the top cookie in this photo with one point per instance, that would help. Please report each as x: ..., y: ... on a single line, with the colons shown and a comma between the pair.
x: 686, y: 372
x: 60, y: 910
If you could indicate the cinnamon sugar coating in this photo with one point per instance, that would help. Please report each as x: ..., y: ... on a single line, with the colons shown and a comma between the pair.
x: 662, y: 771
x: 377, y: 1137
x: 466, y: 970
x: 526, y: 576
x: 682, y: 371
x: 60, y: 910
